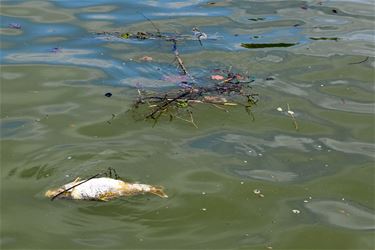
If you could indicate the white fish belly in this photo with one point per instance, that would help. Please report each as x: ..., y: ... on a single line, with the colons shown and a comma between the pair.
x: 97, y: 187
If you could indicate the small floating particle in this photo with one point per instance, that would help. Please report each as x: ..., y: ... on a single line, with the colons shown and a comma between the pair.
x: 305, y: 201
x: 69, y: 157
x: 55, y: 50
x: 256, y: 191
x: 204, y: 193
x: 217, y: 77
x: 204, y: 209
x: 108, y: 94
x: 334, y: 11
x: 279, y: 109
x: 290, y: 112
x: 245, y: 161
x: 242, y: 182
x: 146, y: 58
x: 296, y: 211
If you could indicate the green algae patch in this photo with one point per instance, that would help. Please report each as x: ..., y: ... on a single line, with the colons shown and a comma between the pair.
x: 266, y: 45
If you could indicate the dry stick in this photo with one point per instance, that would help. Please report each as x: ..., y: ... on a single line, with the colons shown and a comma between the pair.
x: 181, y: 63
x: 217, y: 106
x: 160, y: 108
x: 191, y: 119
x: 291, y: 113
x: 157, y: 29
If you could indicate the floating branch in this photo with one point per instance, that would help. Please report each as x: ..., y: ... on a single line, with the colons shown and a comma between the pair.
x: 233, y: 90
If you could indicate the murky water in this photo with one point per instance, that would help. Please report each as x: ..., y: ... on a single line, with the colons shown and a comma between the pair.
x: 317, y: 182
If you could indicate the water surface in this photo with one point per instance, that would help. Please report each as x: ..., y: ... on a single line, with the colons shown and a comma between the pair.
x: 54, y: 75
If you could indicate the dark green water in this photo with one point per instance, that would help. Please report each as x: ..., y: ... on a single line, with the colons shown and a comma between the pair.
x: 54, y: 126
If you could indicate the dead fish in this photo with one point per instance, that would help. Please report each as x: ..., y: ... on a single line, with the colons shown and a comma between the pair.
x: 102, y: 189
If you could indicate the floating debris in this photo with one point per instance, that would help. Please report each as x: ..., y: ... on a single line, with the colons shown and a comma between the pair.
x: 14, y: 26
x: 291, y: 114
x: 266, y: 45
x: 257, y: 19
x: 55, y: 50
x: 108, y: 94
x: 146, y: 58
x: 177, y: 103
x: 296, y: 211
x: 325, y: 38
x: 258, y: 192
x: 217, y: 77
x: 361, y: 61
x: 102, y: 189
x: 199, y: 35
x: 279, y: 109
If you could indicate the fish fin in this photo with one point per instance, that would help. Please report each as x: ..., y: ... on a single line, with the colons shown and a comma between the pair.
x: 77, y: 180
x: 104, y: 199
x: 107, y: 196
x: 158, y: 191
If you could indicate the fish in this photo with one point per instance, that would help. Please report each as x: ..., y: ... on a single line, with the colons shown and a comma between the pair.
x: 102, y: 189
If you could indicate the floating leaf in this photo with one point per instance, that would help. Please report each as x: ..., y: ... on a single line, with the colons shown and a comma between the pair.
x: 217, y: 77
x: 125, y: 35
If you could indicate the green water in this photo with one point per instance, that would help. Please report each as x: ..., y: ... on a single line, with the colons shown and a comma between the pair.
x: 54, y: 126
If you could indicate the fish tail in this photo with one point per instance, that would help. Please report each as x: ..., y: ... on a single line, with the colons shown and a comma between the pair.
x: 158, y: 191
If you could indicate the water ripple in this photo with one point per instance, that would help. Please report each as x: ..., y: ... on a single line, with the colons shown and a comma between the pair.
x: 343, y: 214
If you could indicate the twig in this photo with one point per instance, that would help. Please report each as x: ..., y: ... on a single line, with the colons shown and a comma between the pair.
x: 191, y: 119
x: 179, y: 60
x: 291, y: 114
x: 157, y: 29
x: 360, y: 61
x: 217, y: 106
